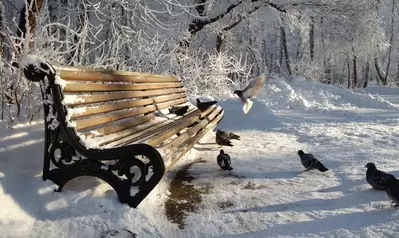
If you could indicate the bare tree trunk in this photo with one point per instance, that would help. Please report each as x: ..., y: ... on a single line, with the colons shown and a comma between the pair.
x: 32, y: 12
x: 354, y: 83
x: 1, y: 54
x: 349, y: 73
x: 397, y: 74
x: 219, y: 42
x: 281, y: 52
x: 284, y: 46
x: 322, y: 41
x: 311, y: 39
x: 272, y: 64
x: 366, y: 75
x: 380, y: 72
x: 390, y: 42
x: 264, y: 54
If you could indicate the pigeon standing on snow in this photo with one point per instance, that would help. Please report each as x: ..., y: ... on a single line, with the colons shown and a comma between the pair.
x: 228, y: 135
x: 204, y: 105
x: 252, y: 89
x: 224, y: 161
x: 392, y: 189
x: 310, y: 162
x: 221, y: 139
x: 179, y: 111
x: 376, y: 178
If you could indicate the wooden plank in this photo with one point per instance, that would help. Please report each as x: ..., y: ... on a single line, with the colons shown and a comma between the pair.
x: 127, y: 134
x: 163, y: 136
x: 190, y: 143
x: 121, y: 126
x: 135, y: 138
x: 71, y: 70
x: 100, y: 120
x: 87, y: 111
x: 115, y: 76
x: 74, y: 100
x: 172, y: 145
x: 92, y: 87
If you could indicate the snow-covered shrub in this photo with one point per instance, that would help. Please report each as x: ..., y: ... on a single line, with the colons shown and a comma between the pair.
x: 214, y: 74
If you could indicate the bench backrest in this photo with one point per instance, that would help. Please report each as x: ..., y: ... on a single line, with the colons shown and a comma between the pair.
x: 100, y: 103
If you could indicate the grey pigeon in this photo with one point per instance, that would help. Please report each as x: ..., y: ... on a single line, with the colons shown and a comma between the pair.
x: 376, y: 178
x: 224, y: 161
x: 310, y: 162
x: 228, y: 135
x: 222, y: 140
x: 179, y: 111
x: 392, y: 189
x: 252, y: 89
x: 204, y: 105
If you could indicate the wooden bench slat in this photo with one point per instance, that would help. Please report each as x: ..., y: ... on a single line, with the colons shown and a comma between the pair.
x: 191, y: 142
x: 132, y: 133
x: 87, y: 111
x: 99, y: 120
x: 92, y: 87
x: 142, y: 128
x: 136, y: 138
x: 86, y: 74
x: 114, y: 76
x: 161, y: 137
x: 172, y: 145
x: 120, y: 127
x: 197, y: 115
x: 74, y: 100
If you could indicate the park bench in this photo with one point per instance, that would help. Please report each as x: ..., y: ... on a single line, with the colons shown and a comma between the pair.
x: 115, y: 125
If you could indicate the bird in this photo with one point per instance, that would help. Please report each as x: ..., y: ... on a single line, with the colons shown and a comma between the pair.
x: 224, y: 161
x: 376, y: 178
x: 179, y: 111
x: 392, y: 189
x: 222, y: 140
x: 310, y: 162
x: 204, y: 105
x: 228, y: 135
x: 250, y: 91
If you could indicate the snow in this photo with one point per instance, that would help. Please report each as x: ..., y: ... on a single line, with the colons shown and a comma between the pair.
x: 268, y: 194
x: 36, y: 61
x: 60, y: 81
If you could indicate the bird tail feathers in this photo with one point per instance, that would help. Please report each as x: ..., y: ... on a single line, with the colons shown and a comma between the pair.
x: 322, y: 168
x: 247, y: 106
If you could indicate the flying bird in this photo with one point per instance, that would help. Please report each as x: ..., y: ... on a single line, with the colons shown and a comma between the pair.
x: 252, y: 89
x: 376, y: 178
x: 222, y: 140
x: 224, y: 161
x: 228, y: 135
x: 204, y: 105
x: 179, y: 111
x: 310, y: 162
x: 392, y: 189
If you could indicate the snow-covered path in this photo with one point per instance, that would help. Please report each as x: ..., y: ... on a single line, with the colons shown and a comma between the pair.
x: 268, y: 194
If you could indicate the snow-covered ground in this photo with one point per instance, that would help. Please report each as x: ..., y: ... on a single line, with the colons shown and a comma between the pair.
x: 268, y: 194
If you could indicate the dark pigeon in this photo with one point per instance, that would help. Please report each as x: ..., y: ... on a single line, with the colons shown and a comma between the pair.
x: 224, y: 161
x: 392, y: 189
x: 221, y: 140
x: 228, y: 135
x: 252, y: 89
x: 179, y: 111
x: 376, y: 178
x: 310, y: 162
x: 204, y: 105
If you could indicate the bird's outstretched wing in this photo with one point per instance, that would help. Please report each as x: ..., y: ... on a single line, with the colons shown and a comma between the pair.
x: 253, y: 87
